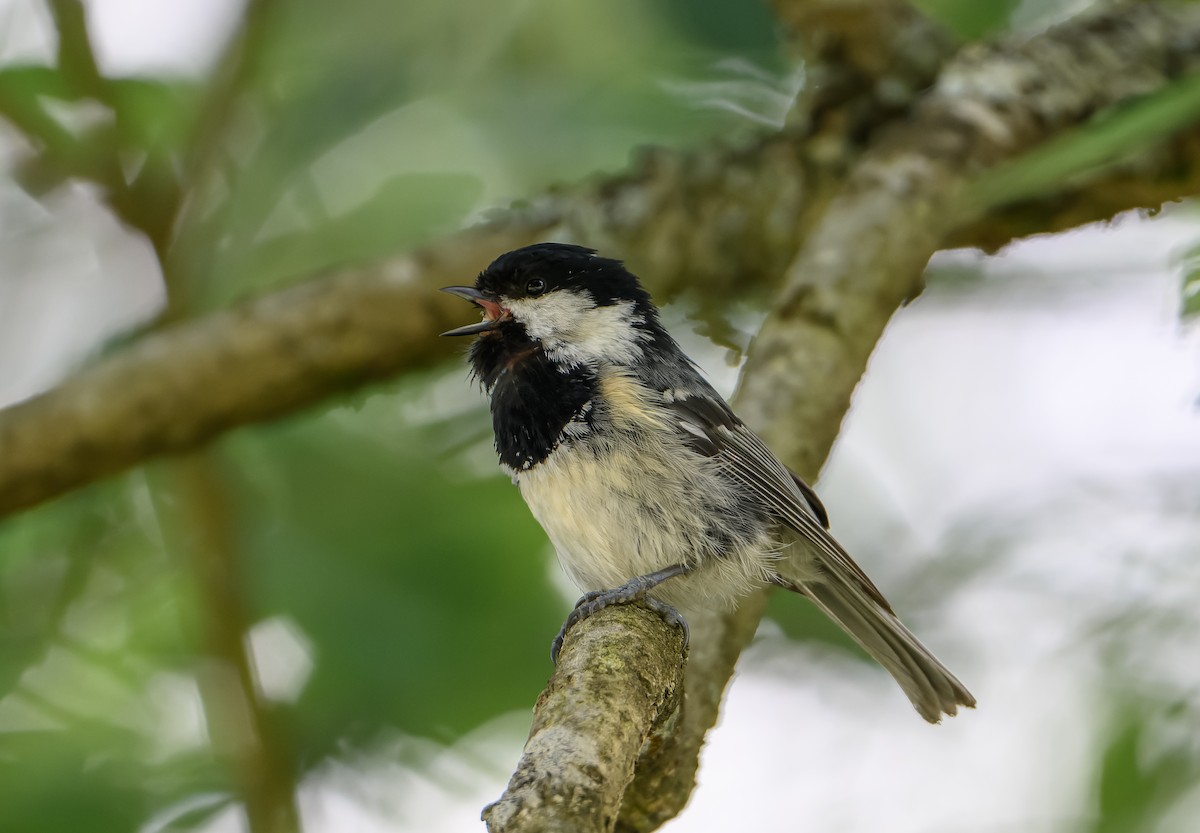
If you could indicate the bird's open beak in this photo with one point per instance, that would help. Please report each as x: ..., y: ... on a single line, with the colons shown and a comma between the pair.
x: 493, y: 313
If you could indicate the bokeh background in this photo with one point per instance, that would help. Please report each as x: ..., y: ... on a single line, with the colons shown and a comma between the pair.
x: 1020, y: 470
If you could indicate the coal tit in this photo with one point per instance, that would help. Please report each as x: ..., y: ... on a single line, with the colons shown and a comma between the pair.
x: 647, y: 483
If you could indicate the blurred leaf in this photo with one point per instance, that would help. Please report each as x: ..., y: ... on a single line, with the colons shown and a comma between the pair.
x: 96, y: 778
x: 1135, y: 789
x: 1114, y: 136
x: 514, y: 95
x: 24, y: 92
x: 44, y: 565
x: 399, y: 214
x: 90, y: 613
x: 1191, y: 294
x: 1188, y: 262
x: 801, y: 620
x: 154, y: 115
x: 28, y: 83
x: 970, y: 19
x: 307, y: 95
x: 197, y: 813
x: 726, y: 26
x: 56, y: 780
x: 146, y: 129
x: 304, y: 126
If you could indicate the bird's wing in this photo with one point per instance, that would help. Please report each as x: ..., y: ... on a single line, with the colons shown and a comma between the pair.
x: 711, y: 428
x: 843, y: 590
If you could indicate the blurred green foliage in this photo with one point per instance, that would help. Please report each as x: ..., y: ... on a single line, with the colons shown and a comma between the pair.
x: 433, y: 627
x: 1188, y: 262
x: 386, y: 125
x: 1136, y: 780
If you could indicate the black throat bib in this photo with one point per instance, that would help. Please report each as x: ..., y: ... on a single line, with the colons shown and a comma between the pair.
x: 532, y: 398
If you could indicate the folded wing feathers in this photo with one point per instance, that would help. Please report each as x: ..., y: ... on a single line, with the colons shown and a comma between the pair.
x: 844, y: 593
x: 754, y: 465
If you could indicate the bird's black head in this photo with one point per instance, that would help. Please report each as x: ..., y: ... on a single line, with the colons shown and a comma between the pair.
x: 581, y: 309
x: 545, y: 268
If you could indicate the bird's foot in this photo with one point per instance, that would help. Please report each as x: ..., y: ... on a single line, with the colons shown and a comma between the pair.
x: 632, y: 591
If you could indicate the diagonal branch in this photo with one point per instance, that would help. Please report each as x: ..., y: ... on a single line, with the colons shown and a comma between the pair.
x: 910, y: 193
x: 598, y: 710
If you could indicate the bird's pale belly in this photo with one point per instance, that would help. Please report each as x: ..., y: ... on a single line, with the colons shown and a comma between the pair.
x: 612, y: 516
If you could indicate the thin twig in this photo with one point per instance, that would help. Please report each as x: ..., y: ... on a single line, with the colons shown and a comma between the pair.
x: 240, y: 728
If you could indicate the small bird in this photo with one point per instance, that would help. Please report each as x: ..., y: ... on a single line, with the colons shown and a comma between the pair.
x: 649, y: 486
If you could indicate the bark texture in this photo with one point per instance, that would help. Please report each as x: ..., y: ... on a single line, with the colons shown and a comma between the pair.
x: 616, y: 691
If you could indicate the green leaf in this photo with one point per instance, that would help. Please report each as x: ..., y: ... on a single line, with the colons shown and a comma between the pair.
x: 22, y: 94
x: 46, y: 556
x: 1136, y: 786
x: 97, y: 778
x: 403, y: 211
x: 1188, y: 262
x: 801, y: 620
x: 92, y: 614
x: 1114, y: 136
x: 970, y: 19
x: 154, y: 115
x: 31, y: 82
x: 316, y: 113
x: 55, y: 780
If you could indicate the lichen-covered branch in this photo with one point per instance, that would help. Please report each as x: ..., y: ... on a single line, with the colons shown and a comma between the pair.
x: 616, y: 690
x: 666, y: 773
x: 909, y: 194
x: 178, y: 388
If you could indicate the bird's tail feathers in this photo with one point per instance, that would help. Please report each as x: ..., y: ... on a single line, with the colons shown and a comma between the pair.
x: 930, y: 686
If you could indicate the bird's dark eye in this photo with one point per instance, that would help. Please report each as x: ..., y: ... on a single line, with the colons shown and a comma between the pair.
x: 536, y: 286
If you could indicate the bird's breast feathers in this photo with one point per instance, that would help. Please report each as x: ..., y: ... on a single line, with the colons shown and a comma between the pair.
x: 632, y: 497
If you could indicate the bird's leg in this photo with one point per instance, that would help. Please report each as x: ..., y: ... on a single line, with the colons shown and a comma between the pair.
x: 634, y: 590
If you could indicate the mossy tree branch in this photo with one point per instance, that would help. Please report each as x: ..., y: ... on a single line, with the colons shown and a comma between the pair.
x: 600, y: 709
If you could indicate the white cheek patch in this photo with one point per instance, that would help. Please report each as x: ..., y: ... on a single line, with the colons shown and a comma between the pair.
x: 574, y: 331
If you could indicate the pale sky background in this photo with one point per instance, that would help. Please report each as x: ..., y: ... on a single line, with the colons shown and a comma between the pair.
x: 1045, y: 423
